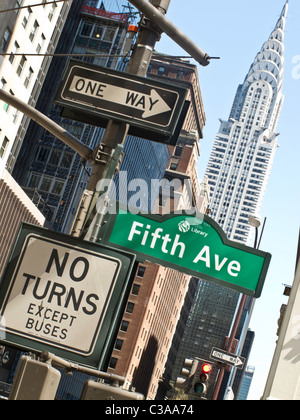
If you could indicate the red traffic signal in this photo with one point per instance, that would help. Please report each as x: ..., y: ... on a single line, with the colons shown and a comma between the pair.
x: 200, y: 382
x: 206, y: 368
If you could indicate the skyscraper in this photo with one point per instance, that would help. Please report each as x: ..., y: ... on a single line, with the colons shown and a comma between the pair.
x: 246, y: 383
x: 25, y: 30
x: 243, y: 152
x: 238, y: 171
x: 26, y: 35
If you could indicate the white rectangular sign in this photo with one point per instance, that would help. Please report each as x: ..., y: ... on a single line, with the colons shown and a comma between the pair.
x: 228, y: 358
x: 59, y: 294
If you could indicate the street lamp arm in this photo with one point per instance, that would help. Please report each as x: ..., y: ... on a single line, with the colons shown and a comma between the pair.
x: 84, y: 151
x: 171, y: 30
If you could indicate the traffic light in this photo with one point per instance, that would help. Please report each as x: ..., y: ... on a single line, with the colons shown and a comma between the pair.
x: 96, y: 391
x: 34, y: 381
x: 189, y: 371
x: 201, y: 378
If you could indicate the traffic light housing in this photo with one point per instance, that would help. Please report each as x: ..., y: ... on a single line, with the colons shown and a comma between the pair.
x: 201, y: 378
x: 34, y: 381
x: 188, y: 372
x: 96, y: 391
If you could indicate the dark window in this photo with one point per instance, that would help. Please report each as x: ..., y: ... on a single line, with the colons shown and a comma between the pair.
x: 5, y: 40
x: 119, y: 344
x: 130, y: 307
x: 113, y: 363
x: 43, y: 154
x: 135, y: 289
x: 141, y: 271
x: 124, y: 326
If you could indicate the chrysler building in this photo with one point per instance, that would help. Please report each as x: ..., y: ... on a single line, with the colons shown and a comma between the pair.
x: 243, y: 152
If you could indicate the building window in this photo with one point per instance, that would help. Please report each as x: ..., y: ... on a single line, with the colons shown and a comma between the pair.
x: 124, y: 326
x: 40, y: 44
x: 34, y: 30
x: 46, y: 184
x: 13, y: 52
x: 28, y: 77
x: 135, y: 289
x: 34, y: 181
x: 55, y: 157
x: 26, y: 17
x: 119, y: 344
x: 57, y: 187
x: 141, y: 271
x: 17, y: 5
x: 3, y: 146
x: 21, y: 65
x: 43, y: 154
x: 99, y: 32
x: 6, y: 106
x: 109, y: 34
x: 15, y: 115
x: 113, y: 363
x: 86, y: 29
x: 178, y: 151
x: 5, y: 40
x: 180, y: 74
x: 130, y: 307
x: 161, y: 71
x: 67, y: 160
x: 52, y: 11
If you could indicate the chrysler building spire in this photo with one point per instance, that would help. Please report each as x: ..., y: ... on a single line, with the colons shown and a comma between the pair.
x: 268, y: 67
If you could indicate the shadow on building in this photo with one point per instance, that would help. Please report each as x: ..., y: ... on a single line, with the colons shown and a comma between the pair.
x: 142, y: 376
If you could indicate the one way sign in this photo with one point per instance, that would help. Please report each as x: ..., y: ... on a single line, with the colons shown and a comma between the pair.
x: 149, y: 104
x: 109, y: 94
x: 227, y: 358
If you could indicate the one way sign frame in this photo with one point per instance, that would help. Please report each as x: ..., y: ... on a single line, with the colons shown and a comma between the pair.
x: 95, y: 94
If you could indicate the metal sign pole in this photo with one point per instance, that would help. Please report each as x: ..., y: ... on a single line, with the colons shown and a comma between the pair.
x: 116, y: 132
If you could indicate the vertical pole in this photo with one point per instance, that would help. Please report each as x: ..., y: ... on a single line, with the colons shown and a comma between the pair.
x: 116, y: 132
x: 229, y: 346
x: 236, y: 323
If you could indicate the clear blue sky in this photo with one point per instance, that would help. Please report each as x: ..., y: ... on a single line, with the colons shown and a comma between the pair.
x: 235, y: 30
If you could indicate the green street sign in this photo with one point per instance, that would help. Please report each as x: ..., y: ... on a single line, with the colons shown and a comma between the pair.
x: 193, y: 245
x: 63, y: 295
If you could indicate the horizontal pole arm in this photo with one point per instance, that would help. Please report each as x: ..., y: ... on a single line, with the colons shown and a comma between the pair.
x: 84, y: 151
x: 171, y: 30
x: 59, y: 362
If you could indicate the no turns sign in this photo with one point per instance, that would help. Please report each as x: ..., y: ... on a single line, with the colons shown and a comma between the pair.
x: 60, y: 291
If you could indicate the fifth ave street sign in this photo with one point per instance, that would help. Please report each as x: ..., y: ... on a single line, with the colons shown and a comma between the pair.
x: 110, y: 94
x: 193, y: 245
x: 62, y: 294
